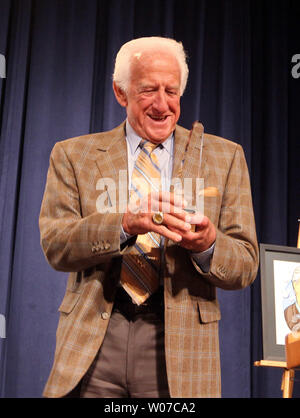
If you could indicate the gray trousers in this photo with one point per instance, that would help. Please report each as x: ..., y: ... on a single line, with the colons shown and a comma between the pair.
x: 131, y: 360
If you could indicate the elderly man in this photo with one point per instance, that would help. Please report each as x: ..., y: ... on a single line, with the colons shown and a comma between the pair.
x: 140, y: 315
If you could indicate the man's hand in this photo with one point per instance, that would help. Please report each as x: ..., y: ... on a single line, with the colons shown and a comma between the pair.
x: 138, y: 218
x: 176, y: 224
x: 203, y: 237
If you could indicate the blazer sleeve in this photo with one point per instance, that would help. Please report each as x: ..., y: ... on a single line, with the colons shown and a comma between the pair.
x: 71, y: 242
x: 235, y: 259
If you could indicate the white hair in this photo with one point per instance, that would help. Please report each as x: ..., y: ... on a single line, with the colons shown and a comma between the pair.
x: 136, y: 47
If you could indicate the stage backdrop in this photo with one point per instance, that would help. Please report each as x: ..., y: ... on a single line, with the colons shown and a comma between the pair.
x: 59, y: 61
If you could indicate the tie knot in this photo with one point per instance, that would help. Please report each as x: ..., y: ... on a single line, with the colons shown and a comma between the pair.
x: 148, y: 146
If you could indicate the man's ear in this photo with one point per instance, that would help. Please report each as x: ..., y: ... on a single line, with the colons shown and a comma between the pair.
x: 120, y: 95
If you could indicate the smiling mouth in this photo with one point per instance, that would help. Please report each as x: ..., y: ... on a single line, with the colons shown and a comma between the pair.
x: 158, y: 118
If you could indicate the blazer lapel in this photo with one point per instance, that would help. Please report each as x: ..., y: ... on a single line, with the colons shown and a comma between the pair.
x: 112, y: 164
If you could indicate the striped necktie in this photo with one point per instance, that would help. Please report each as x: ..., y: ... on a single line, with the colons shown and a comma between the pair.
x: 140, y: 268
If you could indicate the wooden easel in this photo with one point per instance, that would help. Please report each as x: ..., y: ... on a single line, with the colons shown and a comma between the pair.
x: 292, y: 350
x: 287, y: 382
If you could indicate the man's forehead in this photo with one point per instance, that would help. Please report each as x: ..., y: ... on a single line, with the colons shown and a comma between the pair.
x: 144, y: 56
x: 146, y: 64
x: 137, y: 55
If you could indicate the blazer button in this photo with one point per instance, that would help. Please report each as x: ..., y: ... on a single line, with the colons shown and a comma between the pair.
x: 104, y: 315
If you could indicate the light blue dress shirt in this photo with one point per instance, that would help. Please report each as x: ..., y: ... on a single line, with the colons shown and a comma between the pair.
x: 165, y: 156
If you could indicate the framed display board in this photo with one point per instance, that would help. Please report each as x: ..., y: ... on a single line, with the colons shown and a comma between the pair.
x: 280, y: 297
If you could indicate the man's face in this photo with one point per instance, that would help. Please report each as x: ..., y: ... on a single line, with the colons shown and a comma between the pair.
x: 153, y: 98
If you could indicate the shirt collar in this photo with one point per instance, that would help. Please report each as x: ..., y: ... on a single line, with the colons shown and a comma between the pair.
x: 134, y: 140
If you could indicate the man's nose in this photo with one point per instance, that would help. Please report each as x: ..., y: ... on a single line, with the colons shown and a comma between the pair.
x: 160, y: 102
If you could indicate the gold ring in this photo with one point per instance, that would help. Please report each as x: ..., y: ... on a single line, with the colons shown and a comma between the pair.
x: 158, y: 218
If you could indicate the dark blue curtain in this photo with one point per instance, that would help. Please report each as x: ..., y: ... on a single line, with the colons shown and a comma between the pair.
x: 59, y: 57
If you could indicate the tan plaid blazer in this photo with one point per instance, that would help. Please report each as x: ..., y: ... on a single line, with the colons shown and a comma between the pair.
x: 78, y: 239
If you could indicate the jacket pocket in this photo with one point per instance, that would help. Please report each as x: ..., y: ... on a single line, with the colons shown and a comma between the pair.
x: 209, y: 311
x: 69, y: 301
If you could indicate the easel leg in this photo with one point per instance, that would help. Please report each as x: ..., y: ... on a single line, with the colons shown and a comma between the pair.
x: 287, y: 383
